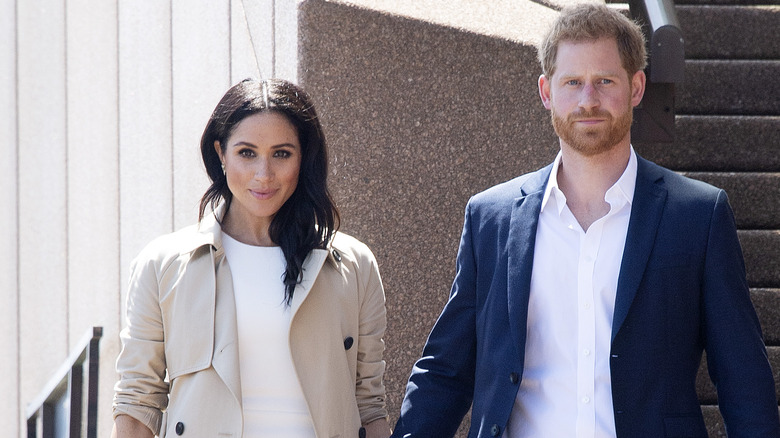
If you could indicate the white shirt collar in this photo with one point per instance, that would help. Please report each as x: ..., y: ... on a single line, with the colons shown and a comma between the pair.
x: 623, y: 189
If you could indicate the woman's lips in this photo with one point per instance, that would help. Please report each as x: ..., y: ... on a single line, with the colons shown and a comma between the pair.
x: 263, y: 194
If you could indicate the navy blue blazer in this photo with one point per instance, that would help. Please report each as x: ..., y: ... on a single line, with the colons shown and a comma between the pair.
x: 682, y: 289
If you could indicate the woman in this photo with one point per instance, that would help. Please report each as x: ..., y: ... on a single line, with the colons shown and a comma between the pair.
x: 267, y: 322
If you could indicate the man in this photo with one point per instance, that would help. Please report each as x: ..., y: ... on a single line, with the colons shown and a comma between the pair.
x: 586, y: 292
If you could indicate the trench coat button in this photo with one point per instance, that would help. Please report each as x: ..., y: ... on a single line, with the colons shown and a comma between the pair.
x: 336, y: 255
x: 179, y: 428
x: 513, y: 378
x: 495, y: 430
x: 348, y: 341
x: 362, y: 432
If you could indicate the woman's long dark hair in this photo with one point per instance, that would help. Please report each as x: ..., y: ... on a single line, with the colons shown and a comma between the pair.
x: 309, y: 218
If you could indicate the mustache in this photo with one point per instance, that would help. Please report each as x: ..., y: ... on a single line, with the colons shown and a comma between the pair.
x: 593, y: 114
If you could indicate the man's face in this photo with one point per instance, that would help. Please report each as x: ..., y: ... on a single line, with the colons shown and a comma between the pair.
x: 591, y: 97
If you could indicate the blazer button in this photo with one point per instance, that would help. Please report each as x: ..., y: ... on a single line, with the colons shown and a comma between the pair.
x: 513, y: 377
x: 495, y: 430
x: 179, y: 428
x: 348, y: 341
x: 336, y: 255
x: 362, y: 432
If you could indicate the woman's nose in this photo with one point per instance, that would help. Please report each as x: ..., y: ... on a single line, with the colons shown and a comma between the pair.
x: 263, y: 170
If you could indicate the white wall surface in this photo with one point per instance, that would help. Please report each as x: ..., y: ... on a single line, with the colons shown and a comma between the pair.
x: 102, y: 105
x: 10, y: 413
x: 43, y: 187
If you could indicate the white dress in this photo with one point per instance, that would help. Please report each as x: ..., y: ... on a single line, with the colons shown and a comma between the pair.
x: 273, y: 402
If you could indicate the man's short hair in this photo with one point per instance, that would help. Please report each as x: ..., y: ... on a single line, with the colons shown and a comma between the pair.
x: 588, y: 22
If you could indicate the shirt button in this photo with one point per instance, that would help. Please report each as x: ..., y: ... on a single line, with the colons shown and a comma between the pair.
x: 586, y: 305
x: 586, y: 352
x: 586, y: 400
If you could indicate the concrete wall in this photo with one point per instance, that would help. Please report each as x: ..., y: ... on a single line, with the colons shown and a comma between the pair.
x: 102, y: 105
x: 420, y: 116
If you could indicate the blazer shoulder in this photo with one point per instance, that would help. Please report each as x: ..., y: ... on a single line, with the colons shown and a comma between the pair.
x: 678, y: 185
x: 508, y: 191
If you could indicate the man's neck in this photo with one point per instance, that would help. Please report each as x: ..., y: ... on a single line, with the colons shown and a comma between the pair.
x: 584, y: 180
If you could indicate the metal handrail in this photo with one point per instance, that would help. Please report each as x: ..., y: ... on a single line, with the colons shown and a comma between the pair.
x: 68, y: 382
x: 655, y: 116
x: 665, y: 42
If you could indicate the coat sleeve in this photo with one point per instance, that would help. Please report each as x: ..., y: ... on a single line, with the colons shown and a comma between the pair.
x: 441, y: 386
x: 736, y: 356
x: 142, y: 391
x: 369, y: 386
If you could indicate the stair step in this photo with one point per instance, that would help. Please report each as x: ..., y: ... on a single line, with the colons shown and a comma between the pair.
x: 761, y: 249
x: 709, y: 31
x: 727, y: 2
x: 719, y: 143
x: 754, y: 196
x: 730, y: 88
x: 767, y: 304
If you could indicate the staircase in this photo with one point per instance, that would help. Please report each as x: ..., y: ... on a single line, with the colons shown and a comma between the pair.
x: 728, y: 134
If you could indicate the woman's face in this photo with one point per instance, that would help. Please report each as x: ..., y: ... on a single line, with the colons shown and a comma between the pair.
x: 262, y: 161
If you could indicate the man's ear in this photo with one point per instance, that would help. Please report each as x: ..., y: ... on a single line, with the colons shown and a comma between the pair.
x: 544, y: 90
x: 638, y: 87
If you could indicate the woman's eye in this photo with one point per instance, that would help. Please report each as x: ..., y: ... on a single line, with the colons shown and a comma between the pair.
x: 282, y: 154
x: 246, y: 153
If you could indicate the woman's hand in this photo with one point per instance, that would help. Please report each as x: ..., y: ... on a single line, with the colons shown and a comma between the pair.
x: 378, y: 429
x: 126, y: 426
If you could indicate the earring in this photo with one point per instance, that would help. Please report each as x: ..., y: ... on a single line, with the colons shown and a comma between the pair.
x: 223, y: 168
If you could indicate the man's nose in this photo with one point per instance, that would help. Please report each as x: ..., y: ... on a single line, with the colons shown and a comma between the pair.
x: 589, y: 97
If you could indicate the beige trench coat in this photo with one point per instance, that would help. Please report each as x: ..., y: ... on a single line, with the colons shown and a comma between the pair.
x: 181, y: 320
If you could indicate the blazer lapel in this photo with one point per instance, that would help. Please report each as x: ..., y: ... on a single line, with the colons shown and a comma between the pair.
x: 646, y: 211
x: 520, y: 250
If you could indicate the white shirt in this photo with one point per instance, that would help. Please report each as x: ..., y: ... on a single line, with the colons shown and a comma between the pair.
x: 566, y: 389
x: 272, y: 398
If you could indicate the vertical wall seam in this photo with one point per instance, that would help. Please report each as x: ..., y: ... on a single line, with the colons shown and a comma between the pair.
x: 273, y: 40
x: 118, y: 169
x: 230, y: 43
x: 18, y: 413
x: 173, y: 121
x: 67, y: 184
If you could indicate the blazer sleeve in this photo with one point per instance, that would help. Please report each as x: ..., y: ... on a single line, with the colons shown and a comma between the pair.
x: 736, y: 356
x: 369, y: 386
x: 142, y: 391
x: 441, y: 386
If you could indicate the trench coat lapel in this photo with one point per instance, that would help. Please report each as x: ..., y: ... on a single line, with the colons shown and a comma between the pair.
x: 226, y: 360
x: 311, y: 268
x: 520, y: 250
x: 646, y: 211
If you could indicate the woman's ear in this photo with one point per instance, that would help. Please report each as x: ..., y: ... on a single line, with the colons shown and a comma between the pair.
x: 218, y: 149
